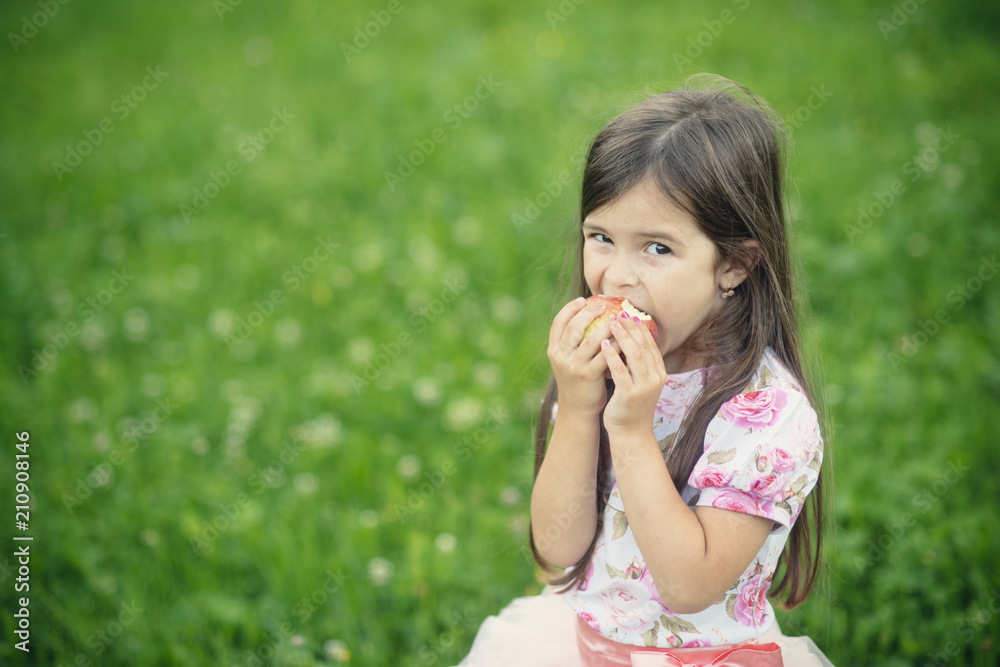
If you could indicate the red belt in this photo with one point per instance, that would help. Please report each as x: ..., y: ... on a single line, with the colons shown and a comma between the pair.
x: 596, y: 650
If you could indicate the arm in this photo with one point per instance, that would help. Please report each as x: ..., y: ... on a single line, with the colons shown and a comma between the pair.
x: 693, y: 557
x: 563, y: 507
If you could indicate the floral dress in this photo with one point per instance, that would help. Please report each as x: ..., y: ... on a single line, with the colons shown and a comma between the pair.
x: 763, y: 452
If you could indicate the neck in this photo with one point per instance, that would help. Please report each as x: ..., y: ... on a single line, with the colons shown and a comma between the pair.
x: 682, y: 362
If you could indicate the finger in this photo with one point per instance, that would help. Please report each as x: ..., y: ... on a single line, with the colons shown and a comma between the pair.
x: 655, y: 369
x: 637, y: 345
x: 619, y: 372
x: 625, y: 332
x: 591, y: 349
x: 563, y: 317
x: 590, y: 345
x: 573, y: 335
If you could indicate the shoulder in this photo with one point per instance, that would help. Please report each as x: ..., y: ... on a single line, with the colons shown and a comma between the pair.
x: 763, y: 449
x: 773, y: 399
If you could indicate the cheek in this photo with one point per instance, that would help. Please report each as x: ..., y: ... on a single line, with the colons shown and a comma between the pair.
x: 592, y: 271
x: 684, y: 312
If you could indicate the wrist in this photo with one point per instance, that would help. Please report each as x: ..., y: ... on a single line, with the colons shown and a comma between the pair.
x: 633, y: 446
x: 575, y: 414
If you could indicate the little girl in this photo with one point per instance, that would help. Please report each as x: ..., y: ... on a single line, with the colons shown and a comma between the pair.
x: 682, y: 473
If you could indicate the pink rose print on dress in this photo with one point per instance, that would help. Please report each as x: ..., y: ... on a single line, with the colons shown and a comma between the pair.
x: 768, y: 486
x: 627, y: 603
x: 696, y: 643
x: 712, y: 475
x: 782, y: 461
x: 676, y: 397
x: 669, y: 409
x: 737, y: 502
x: 755, y: 410
x: 751, y: 600
x: 591, y: 621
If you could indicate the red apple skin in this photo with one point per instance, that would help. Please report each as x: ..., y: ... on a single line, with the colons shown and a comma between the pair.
x: 615, y: 306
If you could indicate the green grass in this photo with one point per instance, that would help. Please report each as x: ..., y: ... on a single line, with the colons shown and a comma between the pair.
x: 321, y: 347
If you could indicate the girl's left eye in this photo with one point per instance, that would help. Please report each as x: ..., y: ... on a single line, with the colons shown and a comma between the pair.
x: 659, y: 249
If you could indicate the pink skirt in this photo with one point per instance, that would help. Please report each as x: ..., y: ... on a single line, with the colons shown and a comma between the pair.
x: 542, y: 631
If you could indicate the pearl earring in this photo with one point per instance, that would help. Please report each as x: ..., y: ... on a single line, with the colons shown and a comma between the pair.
x: 726, y: 295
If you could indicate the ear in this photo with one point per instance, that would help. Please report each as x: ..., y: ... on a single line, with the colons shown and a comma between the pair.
x: 734, y: 271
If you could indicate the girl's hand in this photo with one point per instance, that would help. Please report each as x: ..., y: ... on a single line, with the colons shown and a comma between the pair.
x: 577, y: 362
x: 637, y: 386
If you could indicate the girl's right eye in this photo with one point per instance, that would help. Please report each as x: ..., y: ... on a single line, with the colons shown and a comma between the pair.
x: 601, y: 238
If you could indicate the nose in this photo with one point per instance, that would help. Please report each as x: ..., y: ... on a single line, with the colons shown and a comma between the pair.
x: 622, y: 272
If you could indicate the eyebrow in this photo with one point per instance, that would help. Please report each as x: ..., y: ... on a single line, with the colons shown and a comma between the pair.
x: 645, y: 234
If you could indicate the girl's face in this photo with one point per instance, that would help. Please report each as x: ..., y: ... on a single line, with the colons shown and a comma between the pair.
x: 646, y: 249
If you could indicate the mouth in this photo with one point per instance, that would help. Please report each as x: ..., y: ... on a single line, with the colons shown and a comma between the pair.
x: 635, y: 311
x: 616, y: 305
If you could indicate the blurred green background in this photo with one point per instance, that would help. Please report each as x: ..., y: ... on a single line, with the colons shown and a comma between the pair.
x: 278, y: 277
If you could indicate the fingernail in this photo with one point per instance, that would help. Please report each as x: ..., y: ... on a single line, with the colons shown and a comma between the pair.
x: 605, y: 343
x: 635, y: 319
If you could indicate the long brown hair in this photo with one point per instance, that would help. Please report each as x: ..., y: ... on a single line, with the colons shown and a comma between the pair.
x: 717, y: 152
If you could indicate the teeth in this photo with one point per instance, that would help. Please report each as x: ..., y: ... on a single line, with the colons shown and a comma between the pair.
x: 632, y: 310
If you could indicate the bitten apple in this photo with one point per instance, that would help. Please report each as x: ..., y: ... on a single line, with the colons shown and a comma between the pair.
x: 615, y: 306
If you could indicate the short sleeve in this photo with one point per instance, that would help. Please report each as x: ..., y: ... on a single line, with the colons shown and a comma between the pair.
x: 763, y: 453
